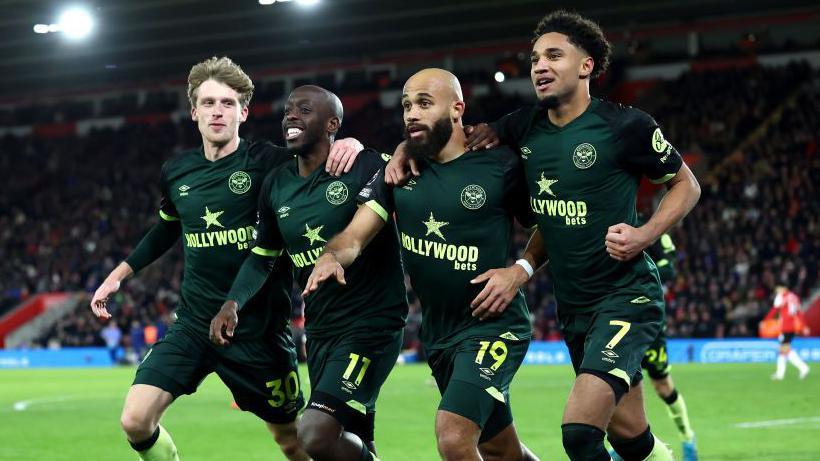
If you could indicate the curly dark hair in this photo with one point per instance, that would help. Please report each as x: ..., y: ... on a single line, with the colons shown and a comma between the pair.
x: 581, y: 32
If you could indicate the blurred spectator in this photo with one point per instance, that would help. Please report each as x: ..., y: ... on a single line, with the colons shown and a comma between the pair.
x: 137, y: 335
x: 112, y: 336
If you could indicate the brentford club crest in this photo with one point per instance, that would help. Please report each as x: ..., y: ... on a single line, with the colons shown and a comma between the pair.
x: 584, y: 156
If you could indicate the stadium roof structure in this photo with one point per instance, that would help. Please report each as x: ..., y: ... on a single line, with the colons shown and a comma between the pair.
x: 150, y: 40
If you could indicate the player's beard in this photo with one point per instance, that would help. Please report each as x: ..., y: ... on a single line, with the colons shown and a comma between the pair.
x: 549, y: 102
x: 438, y: 136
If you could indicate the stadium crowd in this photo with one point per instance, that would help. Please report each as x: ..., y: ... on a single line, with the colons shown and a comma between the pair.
x: 74, y: 207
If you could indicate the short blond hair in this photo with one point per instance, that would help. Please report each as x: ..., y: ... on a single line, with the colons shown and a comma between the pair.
x: 224, y: 71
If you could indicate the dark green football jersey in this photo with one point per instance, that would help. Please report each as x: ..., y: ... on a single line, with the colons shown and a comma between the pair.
x: 300, y: 215
x: 216, y: 204
x: 455, y: 222
x: 583, y: 178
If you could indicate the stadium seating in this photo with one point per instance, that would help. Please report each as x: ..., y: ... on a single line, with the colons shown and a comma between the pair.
x: 75, y: 206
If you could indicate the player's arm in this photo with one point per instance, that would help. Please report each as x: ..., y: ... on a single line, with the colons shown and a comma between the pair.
x: 683, y: 192
x: 481, y: 136
x: 401, y: 167
x: 651, y: 155
x: 375, y: 205
x: 792, y: 304
x: 535, y: 253
x: 159, y: 239
x: 254, y: 270
x: 343, y: 249
x: 343, y: 154
x: 507, y: 130
x: 502, y: 284
x: 251, y: 277
x: 801, y: 320
x: 771, y: 314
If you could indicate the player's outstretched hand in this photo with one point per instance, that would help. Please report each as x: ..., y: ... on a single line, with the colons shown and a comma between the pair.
x: 325, y: 268
x: 224, y: 323
x: 401, y: 167
x: 99, y: 303
x: 342, y: 155
x: 624, y: 242
x: 481, y: 136
x: 501, y: 287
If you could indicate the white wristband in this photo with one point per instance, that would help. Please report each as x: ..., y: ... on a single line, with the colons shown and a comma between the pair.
x: 527, y: 267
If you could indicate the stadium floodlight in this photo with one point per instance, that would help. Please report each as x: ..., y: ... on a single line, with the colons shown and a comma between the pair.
x: 267, y: 2
x: 307, y: 2
x: 76, y: 23
x: 500, y: 77
x: 41, y: 28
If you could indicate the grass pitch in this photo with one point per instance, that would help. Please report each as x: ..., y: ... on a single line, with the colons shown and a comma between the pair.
x: 737, y: 412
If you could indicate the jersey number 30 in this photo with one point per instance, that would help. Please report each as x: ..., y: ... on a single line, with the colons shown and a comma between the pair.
x: 290, y: 393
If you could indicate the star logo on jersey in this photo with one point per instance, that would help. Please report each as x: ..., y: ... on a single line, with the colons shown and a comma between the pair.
x: 313, y: 234
x: 212, y: 218
x: 545, y: 184
x: 434, y: 227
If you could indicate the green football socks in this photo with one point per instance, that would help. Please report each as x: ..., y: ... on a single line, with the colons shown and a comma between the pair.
x: 160, y: 447
x: 676, y: 407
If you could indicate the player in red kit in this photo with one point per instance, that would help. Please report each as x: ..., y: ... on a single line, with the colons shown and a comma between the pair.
x: 787, y: 304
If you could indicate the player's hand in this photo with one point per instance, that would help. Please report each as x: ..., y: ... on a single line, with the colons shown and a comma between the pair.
x: 325, y: 268
x: 99, y: 303
x: 400, y: 167
x: 342, y: 155
x: 624, y: 242
x: 806, y: 331
x: 501, y: 288
x: 224, y: 323
x: 481, y: 136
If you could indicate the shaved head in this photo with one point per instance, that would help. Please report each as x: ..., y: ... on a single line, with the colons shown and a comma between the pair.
x: 312, y: 118
x: 439, y: 82
x: 433, y: 106
x: 324, y: 98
